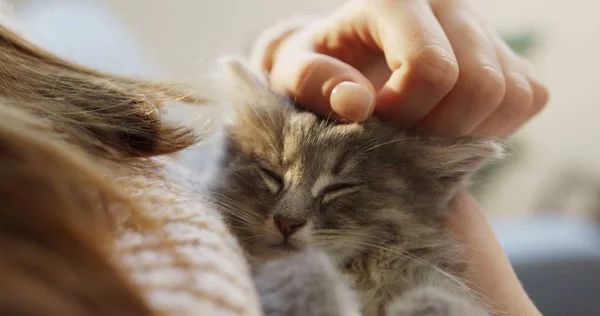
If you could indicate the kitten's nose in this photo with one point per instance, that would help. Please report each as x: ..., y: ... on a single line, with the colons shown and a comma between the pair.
x: 287, y: 226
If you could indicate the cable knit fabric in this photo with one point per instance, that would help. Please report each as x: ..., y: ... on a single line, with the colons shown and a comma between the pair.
x: 189, y: 264
x: 192, y: 265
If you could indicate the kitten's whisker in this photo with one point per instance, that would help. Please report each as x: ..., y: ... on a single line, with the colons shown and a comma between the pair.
x: 228, y: 201
x: 221, y: 202
x: 329, y: 117
x: 240, y: 228
x: 420, y: 260
x: 250, y: 238
x: 385, y: 143
x: 274, y: 126
x: 230, y: 210
x: 353, y: 243
x: 225, y: 198
x: 351, y: 233
x: 234, y: 205
x: 237, y: 215
x: 364, y: 148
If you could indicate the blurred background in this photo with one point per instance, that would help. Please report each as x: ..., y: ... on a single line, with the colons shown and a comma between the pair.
x: 544, y: 200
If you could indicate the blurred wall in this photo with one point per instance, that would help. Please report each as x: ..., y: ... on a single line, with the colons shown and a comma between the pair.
x: 181, y: 38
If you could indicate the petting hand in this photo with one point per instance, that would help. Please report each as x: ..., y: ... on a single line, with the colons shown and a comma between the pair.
x: 429, y: 64
x: 426, y: 64
x: 488, y: 271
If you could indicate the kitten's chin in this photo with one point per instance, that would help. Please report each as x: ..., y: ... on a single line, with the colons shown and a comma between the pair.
x: 274, y: 252
x: 286, y: 248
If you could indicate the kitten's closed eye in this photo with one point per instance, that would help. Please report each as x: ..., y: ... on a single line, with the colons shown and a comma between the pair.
x: 337, y: 190
x: 272, y: 180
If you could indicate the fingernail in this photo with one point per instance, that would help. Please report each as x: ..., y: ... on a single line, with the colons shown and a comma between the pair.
x: 352, y: 101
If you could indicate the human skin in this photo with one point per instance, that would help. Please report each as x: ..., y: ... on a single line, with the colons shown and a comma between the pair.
x: 488, y: 271
x: 432, y: 65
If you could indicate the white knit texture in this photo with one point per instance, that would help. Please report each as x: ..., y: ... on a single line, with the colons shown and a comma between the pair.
x: 191, y: 265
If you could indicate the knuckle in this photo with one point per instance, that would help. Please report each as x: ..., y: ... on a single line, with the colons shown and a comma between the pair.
x: 461, y: 129
x: 523, y: 64
x: 519, y: 96
x: 486, y: 84
x: 387, y: 3
x: 539, y: 92
x: 304, y: 73
x: 540, y: 97
x: 436, y: 68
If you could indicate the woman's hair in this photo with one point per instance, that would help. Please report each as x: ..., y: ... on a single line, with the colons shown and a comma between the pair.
x: 59, y: 124
x: 96, y: 111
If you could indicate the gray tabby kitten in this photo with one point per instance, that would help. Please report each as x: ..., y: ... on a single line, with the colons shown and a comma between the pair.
x: 368, y: 195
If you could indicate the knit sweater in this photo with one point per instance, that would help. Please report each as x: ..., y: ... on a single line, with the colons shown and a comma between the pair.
x: 190, y: 264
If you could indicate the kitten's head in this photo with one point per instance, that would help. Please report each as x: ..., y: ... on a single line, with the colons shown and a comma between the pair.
x: 288, y: 179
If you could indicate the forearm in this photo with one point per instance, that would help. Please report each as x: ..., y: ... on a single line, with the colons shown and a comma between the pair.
x: 489, y: 271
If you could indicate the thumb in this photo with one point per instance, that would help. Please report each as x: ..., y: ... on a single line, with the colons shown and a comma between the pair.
x: 323, y: 84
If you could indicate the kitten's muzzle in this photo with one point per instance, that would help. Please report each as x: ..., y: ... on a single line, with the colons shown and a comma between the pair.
x: 287, y: 226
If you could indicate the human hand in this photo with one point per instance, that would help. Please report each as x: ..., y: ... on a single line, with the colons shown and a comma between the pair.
x: 433, y: 65
x: 429, y: 64
x: 489, y: 272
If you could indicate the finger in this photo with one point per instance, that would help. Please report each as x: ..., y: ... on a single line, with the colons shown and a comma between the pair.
x: 518, y: 98
x: 323, y: 84
x: 540, y: 99
x: 525, y: 96
x: 424, y: 68
x: 480, y: 87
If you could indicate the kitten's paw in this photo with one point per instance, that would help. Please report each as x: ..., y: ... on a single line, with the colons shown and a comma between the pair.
x: 306, y: 284
x: 433, y: 302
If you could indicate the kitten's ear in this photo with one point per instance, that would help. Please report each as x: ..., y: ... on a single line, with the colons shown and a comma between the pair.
x: 452, y: 162
x: 258, y: 113
x: 242, y: 86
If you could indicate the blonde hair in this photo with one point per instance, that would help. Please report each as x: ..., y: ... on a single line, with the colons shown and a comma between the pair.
x: 60, y: 124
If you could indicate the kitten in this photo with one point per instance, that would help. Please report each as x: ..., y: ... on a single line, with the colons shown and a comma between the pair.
x: 368, y: 195
x: 306, y: 284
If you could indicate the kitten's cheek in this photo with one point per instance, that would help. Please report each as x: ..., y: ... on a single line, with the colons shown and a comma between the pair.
x: 272, y: 236
x: 303, y: 238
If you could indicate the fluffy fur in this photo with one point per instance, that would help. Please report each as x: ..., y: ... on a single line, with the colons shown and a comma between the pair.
x: 308, y: 284
x: 91, y: 221
x: 61, y: 128
x: 369, y: 195
x: 305, y: 284
x: 76, y: 242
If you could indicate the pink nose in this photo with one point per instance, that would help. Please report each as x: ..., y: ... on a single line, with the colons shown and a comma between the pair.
x: 287, y: 226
